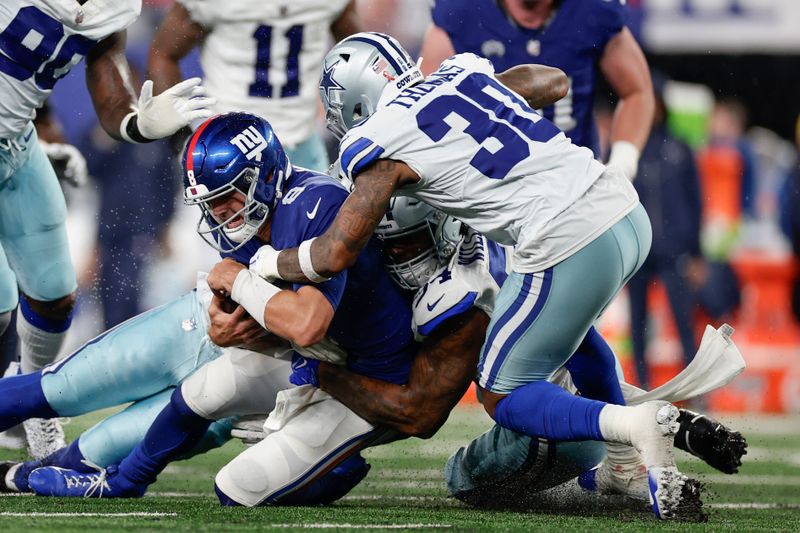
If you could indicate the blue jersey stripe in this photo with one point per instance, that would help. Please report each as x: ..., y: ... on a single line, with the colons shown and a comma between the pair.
x: 366, y: 160
x: 352, y: 151
x: 541, y: 299
x: 461, y: 307
x: 377, y: 44
x: 497, y: 262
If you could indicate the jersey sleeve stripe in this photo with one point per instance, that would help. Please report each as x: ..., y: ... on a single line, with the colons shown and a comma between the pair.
x: 359, y: 154
x: 365, y: 161
x: 461, y: 307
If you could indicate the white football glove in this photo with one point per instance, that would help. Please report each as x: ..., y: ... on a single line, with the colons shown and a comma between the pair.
x: 249, y: 429
x: 264, y: 263
x: 68, y: 162
x: 162, y: 115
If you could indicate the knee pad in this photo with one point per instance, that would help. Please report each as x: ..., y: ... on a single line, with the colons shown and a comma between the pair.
x: 311, y: 438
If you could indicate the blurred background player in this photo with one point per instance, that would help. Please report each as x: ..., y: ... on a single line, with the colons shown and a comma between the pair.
x: 582, y: 38
x: 669, y: 188
x: 259, y: 56
x: 41, y: 41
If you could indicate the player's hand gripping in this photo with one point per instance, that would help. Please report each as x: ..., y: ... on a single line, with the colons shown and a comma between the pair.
x: 68, y: 162
x: 304, y: 371
x: 162, y: 115
x: 222, y: 276
x: 235, y: 328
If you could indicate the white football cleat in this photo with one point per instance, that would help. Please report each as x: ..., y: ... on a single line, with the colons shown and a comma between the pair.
x: 45, y: 436
x: 13, y: 438
x: 629, y: 480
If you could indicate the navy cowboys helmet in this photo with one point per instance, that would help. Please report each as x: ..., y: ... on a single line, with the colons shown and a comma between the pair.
x: 355, y: 73
x: 435, y: 234
x: 234, y: 152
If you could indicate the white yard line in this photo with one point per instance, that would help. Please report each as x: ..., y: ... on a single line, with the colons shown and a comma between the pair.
x: 739, y: 479
x: 361, y: 526
x: 753, y: 505
x: 91, y: 515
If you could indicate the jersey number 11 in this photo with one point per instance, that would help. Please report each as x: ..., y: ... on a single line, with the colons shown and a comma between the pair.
x: 261, y: 87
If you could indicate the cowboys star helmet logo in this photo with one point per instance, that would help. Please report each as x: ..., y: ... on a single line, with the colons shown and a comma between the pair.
x: 327, y: 83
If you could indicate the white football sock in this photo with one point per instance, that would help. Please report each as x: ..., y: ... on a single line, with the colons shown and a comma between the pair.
x: 38, y: 348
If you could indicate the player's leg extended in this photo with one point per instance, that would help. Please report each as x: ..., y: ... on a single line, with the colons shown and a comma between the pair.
x: 141, y: 357
x: 310, y: 153
x: 311, y: 434
x: 500, y: 467
x: 32, y: 217
x: 239, y: 382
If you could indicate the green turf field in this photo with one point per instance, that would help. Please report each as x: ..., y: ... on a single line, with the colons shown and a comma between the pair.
x: 405, y: 490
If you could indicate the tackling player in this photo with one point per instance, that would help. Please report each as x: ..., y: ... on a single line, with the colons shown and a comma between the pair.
x: 465, y: 142
x: 262, y: 56
x: 451, y: 308
x: 583, y: 38
x: 40, y: 41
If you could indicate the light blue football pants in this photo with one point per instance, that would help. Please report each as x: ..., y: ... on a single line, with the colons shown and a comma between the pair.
x: 141, y: 361
x: 541, y: 318
x: 34, y: 252
x: 310, y: 154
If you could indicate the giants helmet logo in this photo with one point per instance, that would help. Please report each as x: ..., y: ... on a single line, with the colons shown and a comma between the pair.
x: 251, y: 143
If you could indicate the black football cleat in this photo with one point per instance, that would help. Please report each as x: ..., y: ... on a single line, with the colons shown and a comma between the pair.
x: 711, y: 441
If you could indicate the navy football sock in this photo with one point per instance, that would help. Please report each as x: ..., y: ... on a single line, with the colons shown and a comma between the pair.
x: 593, y: 370
x: 68, y: 457
x: 542, y: 409
x: 175, y: 431
x: 21, y: 398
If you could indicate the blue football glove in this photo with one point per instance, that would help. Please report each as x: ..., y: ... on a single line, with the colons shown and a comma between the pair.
x: 304, y: 371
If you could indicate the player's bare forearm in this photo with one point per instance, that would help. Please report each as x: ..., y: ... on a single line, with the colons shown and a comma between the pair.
x: 110, y: 82
x: 338, y: 248
x: 538, y: 84
x: 174, y: 39
x: 624, y: 66
x: 440, y: 374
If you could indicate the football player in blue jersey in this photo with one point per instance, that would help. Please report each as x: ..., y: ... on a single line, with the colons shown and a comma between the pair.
x: 584, y: 38
x: 40, y: 41
x: 236, y: 172
x: 466, y: 141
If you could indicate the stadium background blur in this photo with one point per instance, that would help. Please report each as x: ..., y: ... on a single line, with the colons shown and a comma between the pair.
x: 733, y: 68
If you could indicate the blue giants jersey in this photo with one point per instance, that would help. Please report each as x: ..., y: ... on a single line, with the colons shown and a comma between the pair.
x: 573, y: 40
x: 372, y: 318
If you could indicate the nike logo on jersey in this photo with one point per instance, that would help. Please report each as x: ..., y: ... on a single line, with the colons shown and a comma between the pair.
x: 311, y: 214
x: 434, y: 304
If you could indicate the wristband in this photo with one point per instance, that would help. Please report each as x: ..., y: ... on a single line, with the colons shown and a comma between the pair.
x: 265, y: 263
x: 625, y: 156
x: 129, y: 129
x: 304, y: 257
x: 253, y: 293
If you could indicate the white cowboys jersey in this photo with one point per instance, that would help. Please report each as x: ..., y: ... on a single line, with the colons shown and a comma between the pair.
x: 264, y: 57
x: 473, y: 277
x: 41, y: 40
x: 486, y: 158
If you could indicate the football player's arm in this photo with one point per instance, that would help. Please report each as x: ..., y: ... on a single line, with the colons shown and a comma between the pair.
x: 337, y: 249
x: 624, y: 66
x: 110, y: 82
x: 347, y: 23
x: 538, y: 84
x: 440, y: 374
x: 302, y: 317
x: 174, y: 39
x: 436, y: 47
